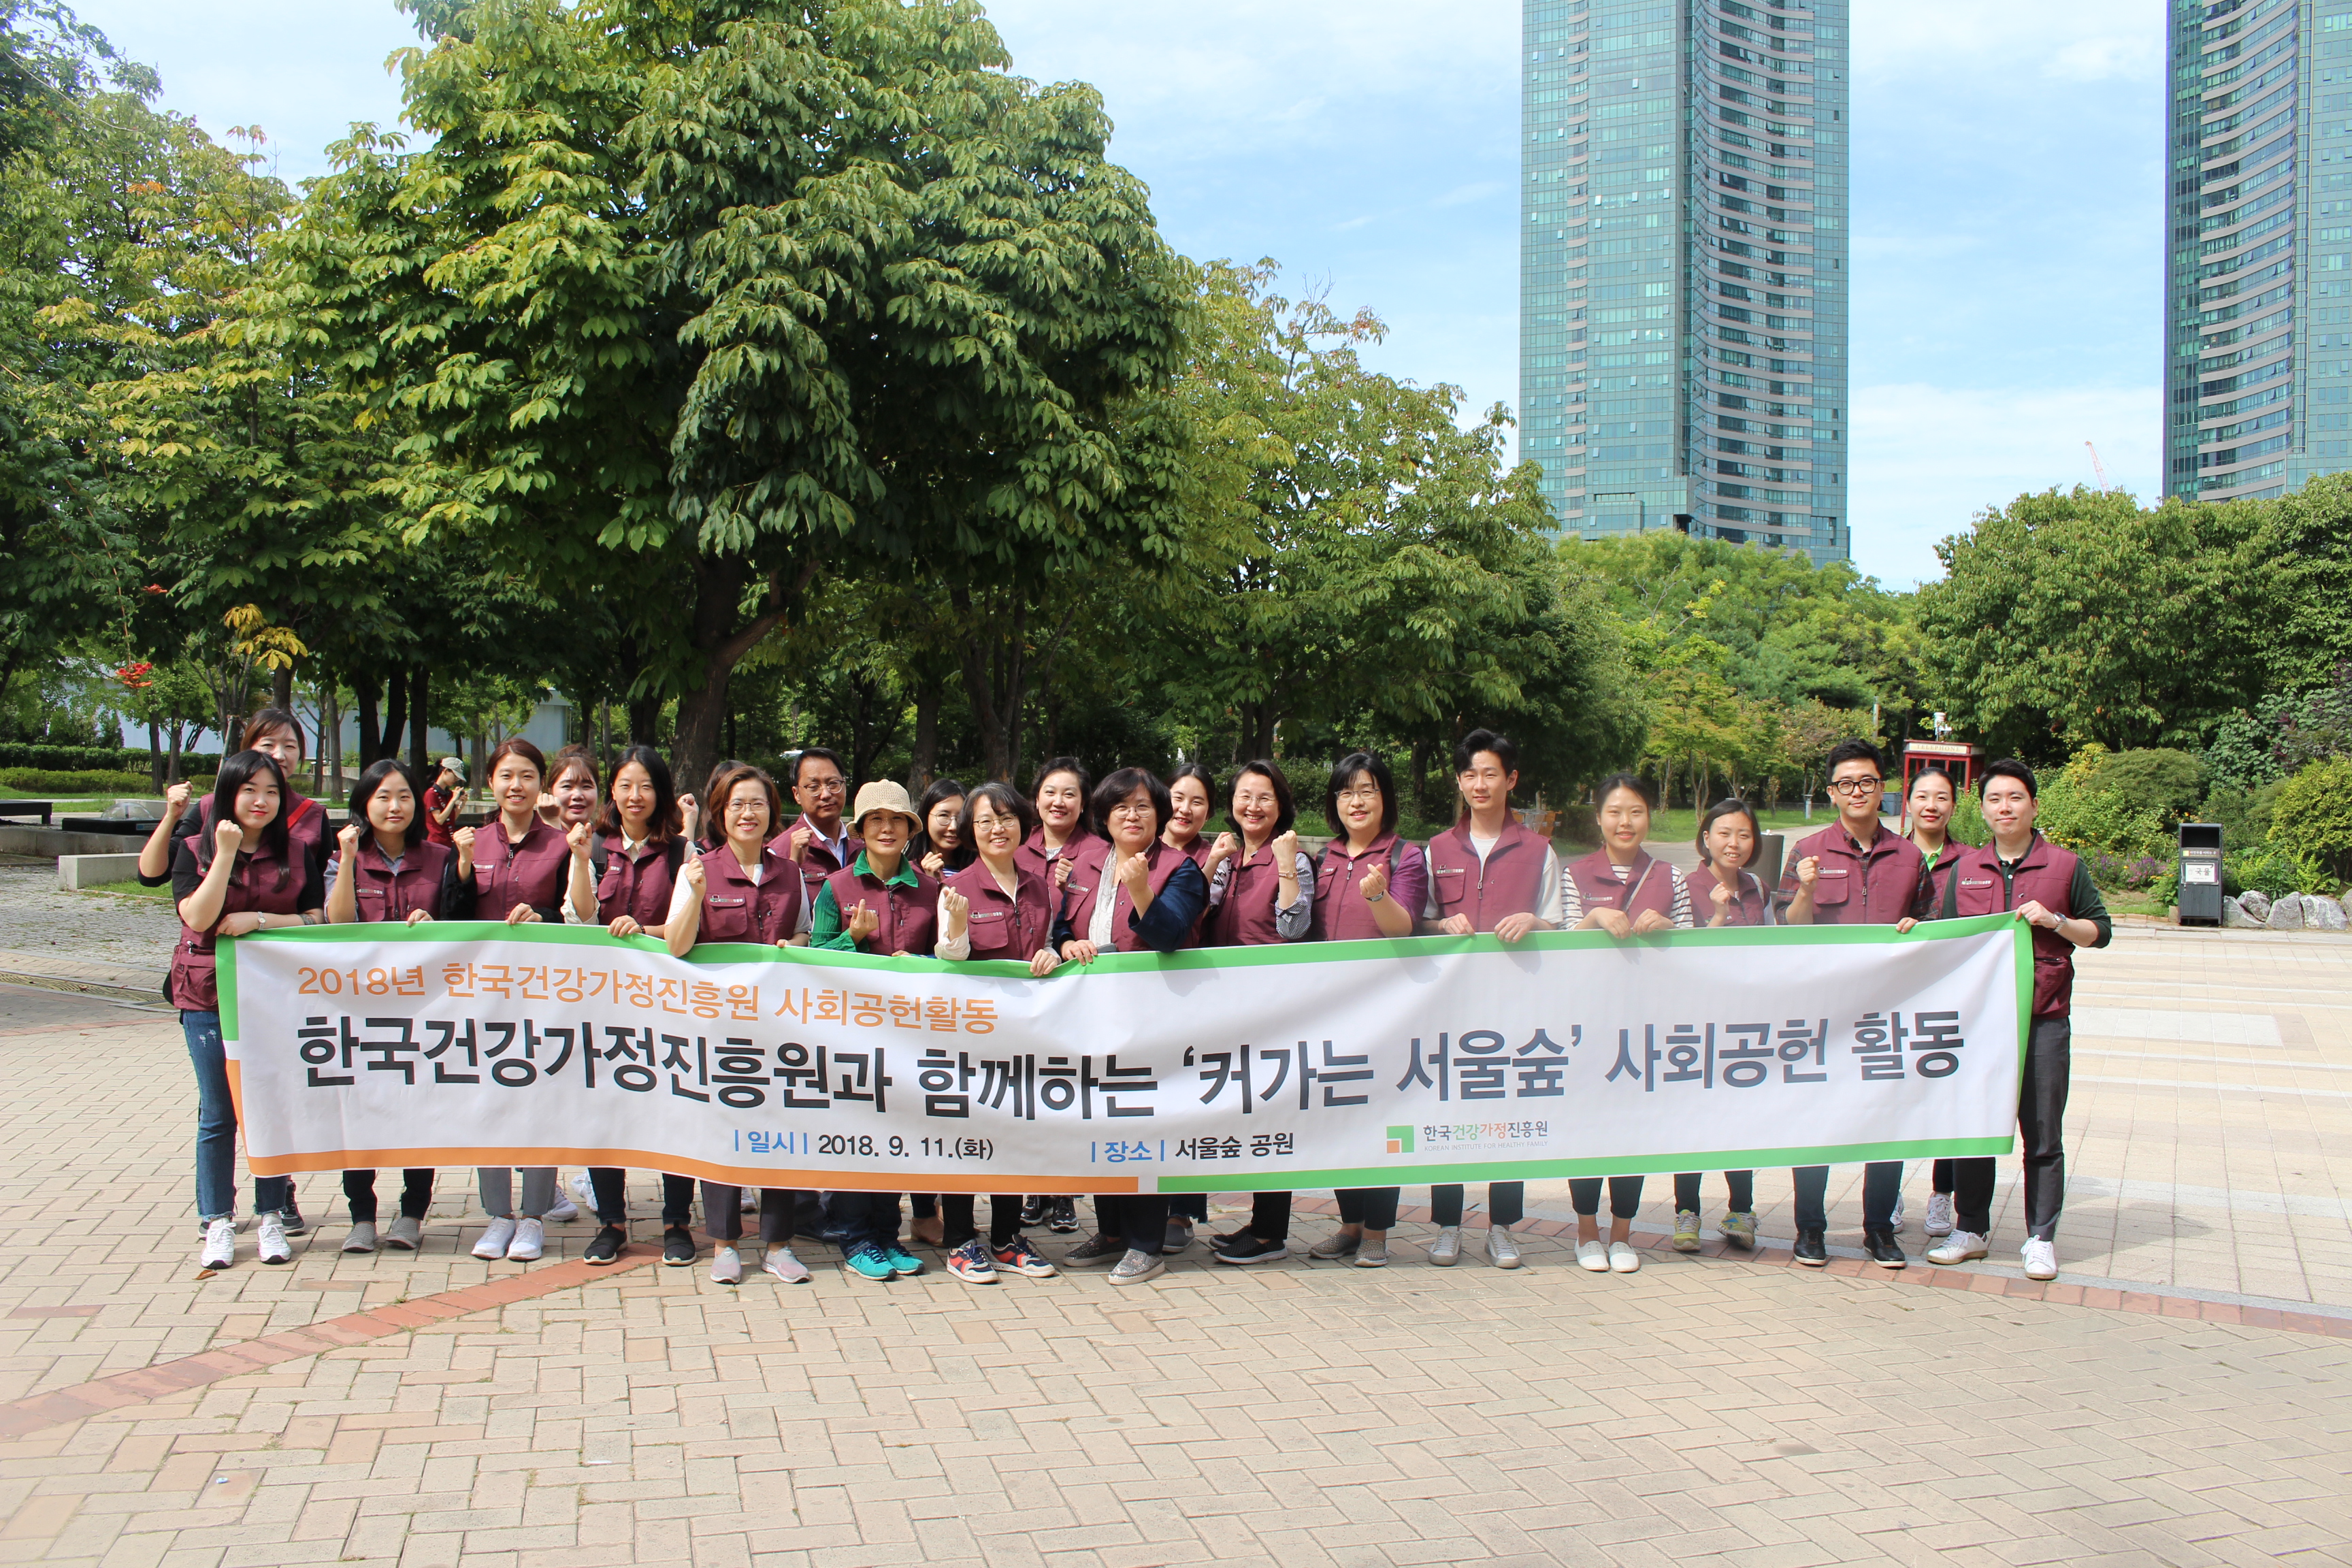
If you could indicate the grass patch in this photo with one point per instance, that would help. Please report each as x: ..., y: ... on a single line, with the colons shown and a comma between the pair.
x: 131, y: 890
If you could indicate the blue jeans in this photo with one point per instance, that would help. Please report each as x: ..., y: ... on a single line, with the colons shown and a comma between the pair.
x: 217, y: 1128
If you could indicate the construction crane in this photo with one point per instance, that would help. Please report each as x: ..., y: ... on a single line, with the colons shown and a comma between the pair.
x: 2097, y: 468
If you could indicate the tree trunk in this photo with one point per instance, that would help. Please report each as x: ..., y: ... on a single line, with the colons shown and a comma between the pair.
x: 1423, y: 808
x: 927, y: 737
x: 718, y: 584
x: 155, y: 756
x: 994, y: 680
x: 171, y: 763
x: 364, y: 688
x: 395, y: 715
x: 331, y: 747
x: 420, y: 683
x: 281, y: 688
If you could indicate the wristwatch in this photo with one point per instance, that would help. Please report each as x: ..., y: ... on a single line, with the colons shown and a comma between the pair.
x: 1374, y: 898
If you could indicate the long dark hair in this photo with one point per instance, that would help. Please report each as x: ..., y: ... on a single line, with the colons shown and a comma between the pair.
x: 234, y: 774
x: 1088, y: 823
x: 666, y: 823
x: 1343, y: 774
x: 373, y: 781
x: 963, y: 853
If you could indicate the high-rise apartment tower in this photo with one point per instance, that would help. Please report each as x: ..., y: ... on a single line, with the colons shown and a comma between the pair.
x: 2258, y: 259
x: 1683, y: 267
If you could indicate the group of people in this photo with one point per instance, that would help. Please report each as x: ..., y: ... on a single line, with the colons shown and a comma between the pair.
x: 1075, y: 868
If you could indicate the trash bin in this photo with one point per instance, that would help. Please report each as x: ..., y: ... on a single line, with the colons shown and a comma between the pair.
x: 2201, y: 873
x: 1769, y: 848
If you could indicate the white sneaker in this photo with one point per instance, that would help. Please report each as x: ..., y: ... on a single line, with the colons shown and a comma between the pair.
x: 583, y: 1192
x: 564, y: 1212
x: 726, y: 1266
x: 529, y: 1241
x: 1502, y: 1246
x: 219, y: 1249
x: 1446, y: 1250
x: 1939, y: 1215
x: 1894, y: 1216
x: 751, y: 1203
x: 1622, y: 1259
x: 1961, y: 1247
x: 785, y: 1267
x: 495, y: 1238
x: 1592, y: 1255
x: 2041, y: 1258
x: 269, y: 1240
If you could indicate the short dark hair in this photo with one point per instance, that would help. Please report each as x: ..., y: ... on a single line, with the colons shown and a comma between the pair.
x: 1087, y: 821
x: 1730, y: 805
x: 1856, y: 750
x: 1008, y: 802
x: 822, y: 753
x: 516, y: 746
x: 1634, y: 781
x: 2011, y: 768
x: 665, y: 821
x: 1286, y: 810
x: 1343, y: 774
x: 267, y: 719
x: 1477, y: 741
x: 373, y: 781
x: 725, y: 780
x: 235, y: 773
x: 1125, y: 782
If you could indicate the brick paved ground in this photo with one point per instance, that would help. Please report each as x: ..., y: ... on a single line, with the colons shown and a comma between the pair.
x: 1704, y: 1410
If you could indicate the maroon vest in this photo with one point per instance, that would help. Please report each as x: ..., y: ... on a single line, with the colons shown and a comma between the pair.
x: 1872, y: 885
x: 195, y: 984
x: 532, y: 872
x: 2045, y: 874
x: 909, y: 916
x: 736, y: 909
x: 382, y: 893
x: 1092, y: 861
x: 638, y: 887
x: 820, y: 862
x: 1510, y: 882
x: 1197, y: 851
x: 1648, y: 885
x: 1340, y: 912
x: 1032, y: 856
x: 1939, y: 875
x: 1001, y: 927
x: 1750, y: 908
x: 1246, y: 918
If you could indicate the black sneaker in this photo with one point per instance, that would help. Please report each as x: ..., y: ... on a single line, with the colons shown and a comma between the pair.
x: 1879, y: 1242
x: 677, y: 1247
x: 295, y: 1224
x: 1065, y: 1217
x: 606, y: 1247
x: 1033, y: 1211
x: 1094, y: 1250
x: 1810, y: 1251
x: 1244, y: 1247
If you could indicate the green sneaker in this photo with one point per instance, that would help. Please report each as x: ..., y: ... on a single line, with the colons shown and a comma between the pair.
x: 870, y: 1260
x: 1686, y: 1230
x: 1740, y: 1231
x: 901, y: 1260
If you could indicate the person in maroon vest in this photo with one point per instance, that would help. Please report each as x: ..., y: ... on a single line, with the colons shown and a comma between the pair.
x: 278, y: 735
x: 628, y: 875
x: 1066, y: 826
x: 939, y: 847
x: 388, y: 868
x: 247, y: 874
x: 1130, y: 893
x: 1261, y: 890
x: 743, y: 891
x: 1855, y: 872
x: 817, y: 839
x: 521, y: 862
x: 1621, y: 889
x: 1489, y: 874
x: 1930, y: 800
x: 444, y: 801
x: 573, y: 789
x: 1369, y: 883
x: 994, y: 910
x: 2050, y: 891
x: 1729, y: 894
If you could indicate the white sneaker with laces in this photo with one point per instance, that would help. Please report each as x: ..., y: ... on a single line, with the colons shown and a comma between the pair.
x: 1594, y: 1255
x: 1939, y: 1215
x: 1502, y: 1246
x: 563, y: 1213
x: 1961, y: 1247
x: 529, y: 1241
x: 1894, y: 1216
x: 1622, y: 1259
x: 2041, y: 1258
x: 583, y: 1192
x: 785, y: 1267
x: 269, y: 1240
x: 726, y: 1266
x: 495, y: 1238
x: 1446, y: 1250
x: 219, y: 1249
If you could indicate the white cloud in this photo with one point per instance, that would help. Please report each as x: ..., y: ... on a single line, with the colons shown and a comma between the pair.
x: 2007, y: 41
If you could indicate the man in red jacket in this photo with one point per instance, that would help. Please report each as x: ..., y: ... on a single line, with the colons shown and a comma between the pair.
x: 1855, y: 873
x: 2049, y: 889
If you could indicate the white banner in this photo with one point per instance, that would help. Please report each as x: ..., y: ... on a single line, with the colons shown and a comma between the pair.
x: 1231, y: 1069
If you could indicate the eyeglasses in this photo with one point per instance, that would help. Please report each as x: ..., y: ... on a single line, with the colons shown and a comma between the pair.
x: 1855, y: 786
x: 823, y: 787
x: 1360, y: 796
x: 1131, y: 808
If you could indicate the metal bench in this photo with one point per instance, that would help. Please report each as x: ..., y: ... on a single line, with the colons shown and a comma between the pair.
x: 28, y: 808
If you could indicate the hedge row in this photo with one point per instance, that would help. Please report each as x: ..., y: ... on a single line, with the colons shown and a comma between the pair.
x: 84, y: 759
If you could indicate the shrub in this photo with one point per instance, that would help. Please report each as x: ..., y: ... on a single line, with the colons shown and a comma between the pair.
x: 2242, y: 814
x: 2075, y: 811
x: 1968, y: 824
x: 2129, y: 875
x: 2154, y: 779
x: 2312, y: 818
x: 84, y: 759
x: 2273, y: 869
x: 39, y: 781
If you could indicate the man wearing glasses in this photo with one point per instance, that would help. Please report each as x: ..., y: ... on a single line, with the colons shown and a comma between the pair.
x: 818, y: 838
x: 1855, y: 873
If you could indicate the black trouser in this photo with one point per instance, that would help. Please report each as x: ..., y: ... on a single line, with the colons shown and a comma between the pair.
x: 1193, y: 1206
x: 611, y: 1186
x: 1269, y: 1218
x: 722, y: 1212
x: 1140, y: 1217
x: 1506, y: 1204
x: 863, y: 1217
x: 2040, y: 1139
x: 1624, y: 1197
x: 1941, y: 1178
x: 1741, y: 1182
x: 924, y: 1204
x: 1374, y: 1208
x: 1882, y: 1184
x: 415, y: 1194
x: 956, y: 1219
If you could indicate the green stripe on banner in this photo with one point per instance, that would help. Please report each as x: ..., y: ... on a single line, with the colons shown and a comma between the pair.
x: 224, y: 980
x: 1613, y: 1165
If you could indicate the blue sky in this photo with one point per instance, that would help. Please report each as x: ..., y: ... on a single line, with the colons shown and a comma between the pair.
x: 2007, y: 178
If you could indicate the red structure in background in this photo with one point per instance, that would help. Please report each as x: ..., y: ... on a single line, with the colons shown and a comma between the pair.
x: 1958, y: 758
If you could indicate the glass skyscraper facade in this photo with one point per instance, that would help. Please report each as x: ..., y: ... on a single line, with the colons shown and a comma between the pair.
x: 2258, y: 263
x: 1683, y: 267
